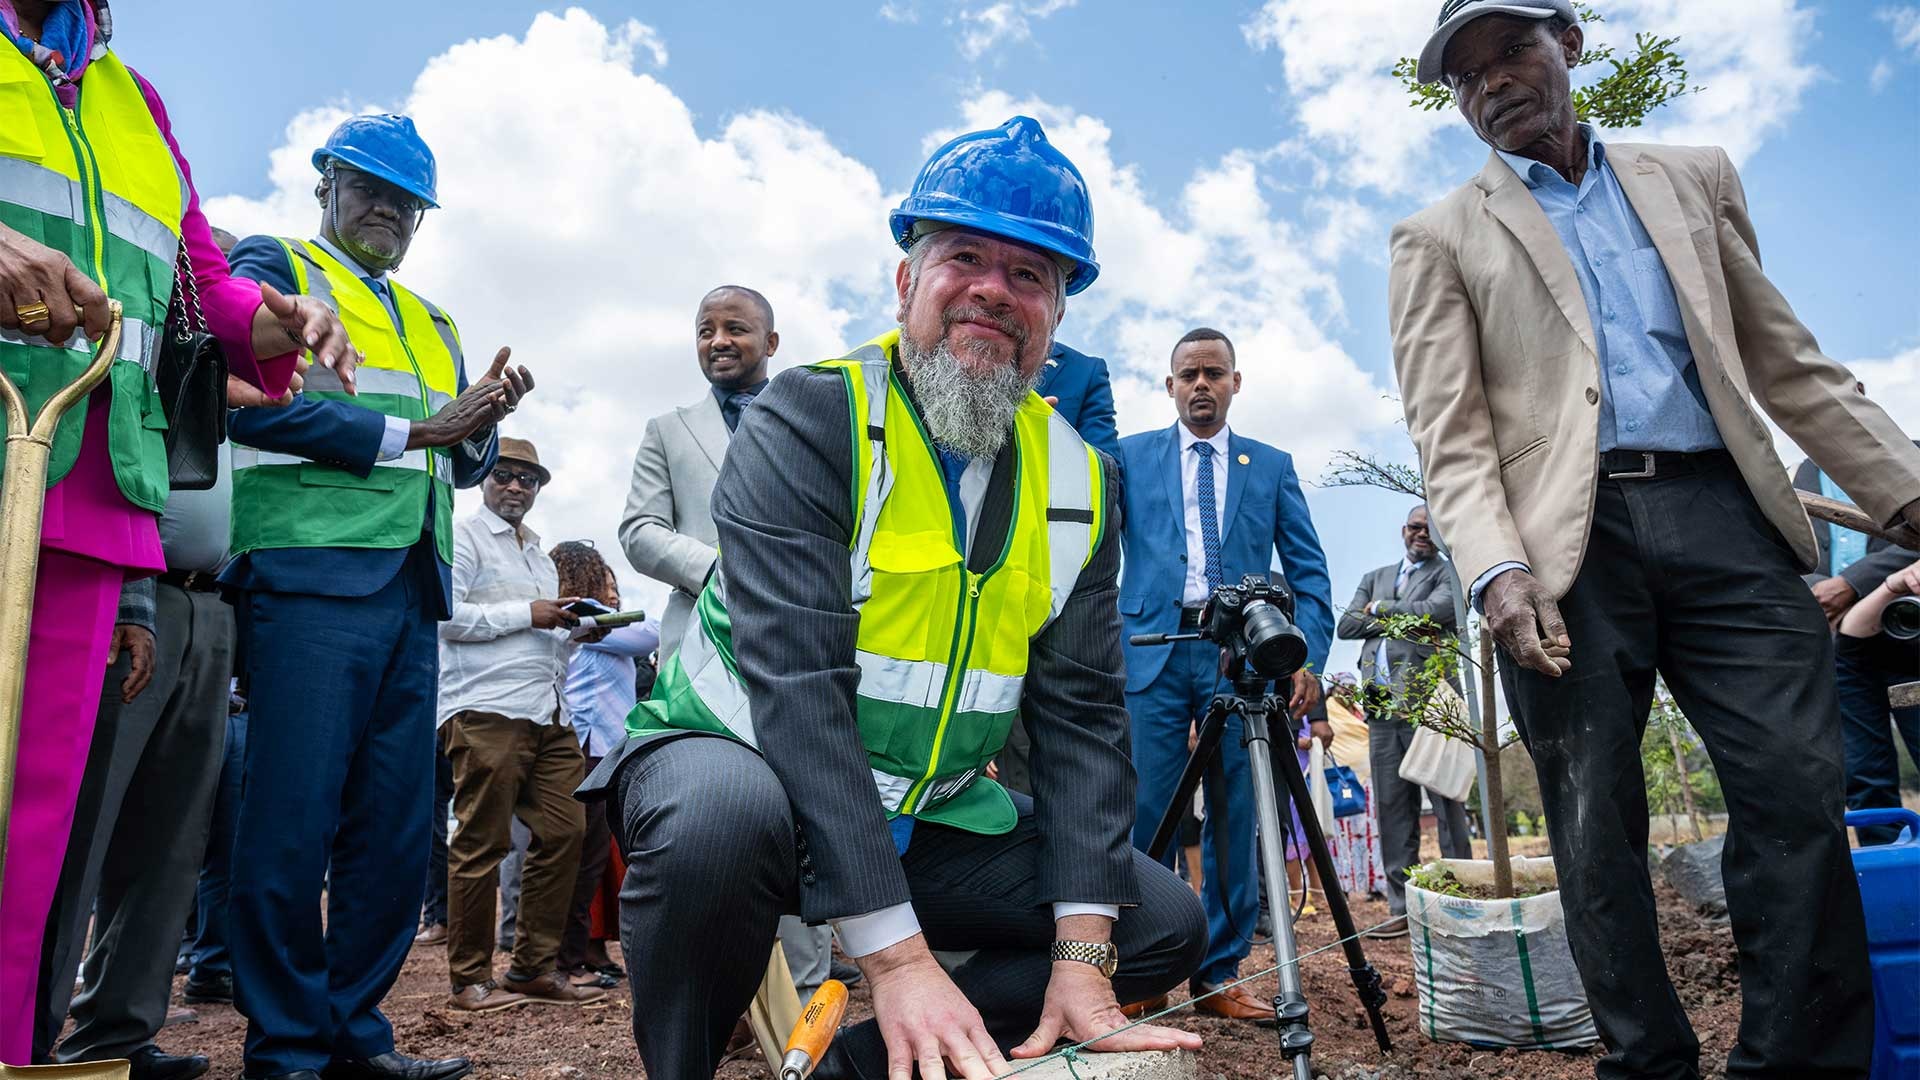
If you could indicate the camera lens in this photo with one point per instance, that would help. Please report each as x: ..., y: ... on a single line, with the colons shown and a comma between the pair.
x: 1275, y: 647
x: 1901, y: 619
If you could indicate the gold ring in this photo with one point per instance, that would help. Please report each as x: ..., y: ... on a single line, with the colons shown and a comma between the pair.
x: 35, y: 312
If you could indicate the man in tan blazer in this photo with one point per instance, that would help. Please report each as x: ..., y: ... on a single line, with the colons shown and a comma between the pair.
x: 1582, y: 335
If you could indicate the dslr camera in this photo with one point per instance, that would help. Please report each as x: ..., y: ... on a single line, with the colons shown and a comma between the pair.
x: 1253, y: 622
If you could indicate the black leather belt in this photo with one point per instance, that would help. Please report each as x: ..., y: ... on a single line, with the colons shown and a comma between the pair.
x: 1646, y: 464
x: 191, y: 580
x: 1190, y: 617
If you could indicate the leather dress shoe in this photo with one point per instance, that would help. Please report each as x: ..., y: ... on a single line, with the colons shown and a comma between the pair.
x: 1393, y: 928
x: 297, y: 1074
x: 394, y: 1065
x: 215, y: 991
x: 435, y: 934
x: 1235, y: 1003
x: 150, y: 1063
x: 1137, y: 1009
x: 553, y: 988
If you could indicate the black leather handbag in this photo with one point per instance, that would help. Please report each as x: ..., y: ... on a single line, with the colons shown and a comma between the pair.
x: 191, y: 374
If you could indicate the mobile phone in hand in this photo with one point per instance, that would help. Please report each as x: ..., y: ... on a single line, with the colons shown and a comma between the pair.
x: 587, y: 607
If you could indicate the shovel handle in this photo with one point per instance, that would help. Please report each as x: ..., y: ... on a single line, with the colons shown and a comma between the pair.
x: 41, y: 428
x: 1849, y: 516
x: 818, y: 1024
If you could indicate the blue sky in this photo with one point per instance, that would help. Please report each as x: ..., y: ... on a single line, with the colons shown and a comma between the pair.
x: 1248, y: 159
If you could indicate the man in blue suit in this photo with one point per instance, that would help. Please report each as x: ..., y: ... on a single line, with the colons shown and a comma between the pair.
x: 1077, y: 386
x: 342, y: 531
x: 1206, y: 507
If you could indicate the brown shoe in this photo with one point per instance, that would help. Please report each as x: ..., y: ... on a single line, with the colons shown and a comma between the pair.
x: 1139, y: 1009
x: 485, y: 997
x: 432, y: 935
x: 554, y: 988
x: 1393, y: 928
x: 1235, y: 1003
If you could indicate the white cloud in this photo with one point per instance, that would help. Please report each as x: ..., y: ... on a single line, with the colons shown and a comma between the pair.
x: 899, y: 13
x: 1338, y: 59
x: 1008, y: 22
x: 1881, y: 75
x: 1905, y: 22
x: 1217, y: 253
x: 583, y: 220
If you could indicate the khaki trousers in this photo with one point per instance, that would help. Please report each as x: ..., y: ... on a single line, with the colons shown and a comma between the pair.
x: 502, y: 768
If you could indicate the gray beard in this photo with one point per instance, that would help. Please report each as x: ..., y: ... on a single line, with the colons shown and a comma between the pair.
x: 967, y: 412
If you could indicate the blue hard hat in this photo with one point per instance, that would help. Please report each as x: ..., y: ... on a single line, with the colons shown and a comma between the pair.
x: 1009, y: 182
x: 385, y: 146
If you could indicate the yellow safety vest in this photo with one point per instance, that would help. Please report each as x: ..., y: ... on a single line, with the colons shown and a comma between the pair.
x: 97, y: 183
x: 411, y: 371
x: 942, y: 650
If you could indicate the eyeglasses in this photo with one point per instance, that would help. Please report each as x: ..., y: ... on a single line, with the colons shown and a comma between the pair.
x: 504, y: 477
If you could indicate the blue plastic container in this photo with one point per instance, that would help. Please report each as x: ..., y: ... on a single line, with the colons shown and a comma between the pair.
x: 1890, y: 888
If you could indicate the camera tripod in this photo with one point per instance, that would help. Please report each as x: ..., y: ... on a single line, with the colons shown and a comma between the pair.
x: 1250, y: 701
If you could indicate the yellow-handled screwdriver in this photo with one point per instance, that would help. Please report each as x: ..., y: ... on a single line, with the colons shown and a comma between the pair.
x: 818, y: 1024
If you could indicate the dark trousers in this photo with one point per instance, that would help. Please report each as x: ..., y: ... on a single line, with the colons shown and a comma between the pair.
x: 1685, y: 578
x: 1162, y: 715
x: 1873, y: 765
x: 594, y: 852
x: 139, y: 830
x: 711, y: 867
x: 507, y: 767
x: 1397, y: 805
x: 434, y: 911
x: 339, y: 746
x: 210, y: 957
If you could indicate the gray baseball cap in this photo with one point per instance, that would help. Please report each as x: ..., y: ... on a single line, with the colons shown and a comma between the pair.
x: 1455, y: 14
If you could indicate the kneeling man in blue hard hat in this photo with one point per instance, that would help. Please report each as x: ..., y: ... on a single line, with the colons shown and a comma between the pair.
x: 342, y: 558
x: 914, y: 547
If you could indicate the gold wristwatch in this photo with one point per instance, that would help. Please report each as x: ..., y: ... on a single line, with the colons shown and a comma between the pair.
x: 1103, y: 955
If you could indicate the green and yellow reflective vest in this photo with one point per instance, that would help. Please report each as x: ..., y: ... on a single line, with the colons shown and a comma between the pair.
x: 411, y: 370
x: 942, y: 650
x: 98, y: 184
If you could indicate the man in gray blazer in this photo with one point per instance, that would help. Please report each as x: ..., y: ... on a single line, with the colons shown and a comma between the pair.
x: 1418, y: 584
x: 667, y: 531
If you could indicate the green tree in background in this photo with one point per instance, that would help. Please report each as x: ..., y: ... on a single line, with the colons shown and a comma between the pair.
x: 1650, y: 76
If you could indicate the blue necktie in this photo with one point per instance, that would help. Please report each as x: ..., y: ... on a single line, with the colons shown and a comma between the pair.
x: 735, y: 404
x: 380, y: 293
x: 1400, y: 583
x: 1209, y: 517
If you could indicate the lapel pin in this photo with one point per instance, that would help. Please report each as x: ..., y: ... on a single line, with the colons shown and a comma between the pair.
x: 1245, y: 460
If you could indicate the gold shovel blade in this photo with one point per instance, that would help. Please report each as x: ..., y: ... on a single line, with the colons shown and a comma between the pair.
x: 117, y: 1069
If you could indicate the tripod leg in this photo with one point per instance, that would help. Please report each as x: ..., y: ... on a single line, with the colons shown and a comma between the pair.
x: 1296, y: 1039
x: 1289, y: 784
x: 1212, y: 727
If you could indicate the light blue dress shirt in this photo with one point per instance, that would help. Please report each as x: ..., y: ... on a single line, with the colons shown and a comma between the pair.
x: 1650, y: 396
x: 600, y: 690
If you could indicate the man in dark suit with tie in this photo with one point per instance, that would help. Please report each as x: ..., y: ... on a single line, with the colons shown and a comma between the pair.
x: 1204, y: 508
x: 342, y: 534
x: 1418, y: 584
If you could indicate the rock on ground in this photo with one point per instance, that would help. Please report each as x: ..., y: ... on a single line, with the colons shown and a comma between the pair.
x: 1158, y: 1065
x: 1694, y: 872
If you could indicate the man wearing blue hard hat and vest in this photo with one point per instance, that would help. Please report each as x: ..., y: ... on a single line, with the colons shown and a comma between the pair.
x: 342, y: 541
x: 914, y: 546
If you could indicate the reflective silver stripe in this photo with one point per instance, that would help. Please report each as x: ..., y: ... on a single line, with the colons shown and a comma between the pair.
x: 38, y: 188
x: 441, y: 325
x: 246, y: 457
x: 892, y: 789
x: 443, y: 468
x: 709, y: 678
x: 437, y: 401
x: 141, y: 229
x: 368, y: 380
x: 901, y: 682
x: 1069, y: 487
x: 987, y: 692
x: 319, y: 286
x: 874, y: 367
x: 138, y: 342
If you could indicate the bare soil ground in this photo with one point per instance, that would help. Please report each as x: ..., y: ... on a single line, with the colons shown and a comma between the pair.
x: 548, y: 1043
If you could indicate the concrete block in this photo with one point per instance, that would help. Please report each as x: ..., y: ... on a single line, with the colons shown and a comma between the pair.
x: 1156, y: 1065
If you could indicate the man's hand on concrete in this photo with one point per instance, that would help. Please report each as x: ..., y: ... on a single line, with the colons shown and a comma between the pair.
x: 553, y: 614
x: 1080, y: 1005
x: 1836, y: 595
x: 1526, y: 621
x: 925, y: 1020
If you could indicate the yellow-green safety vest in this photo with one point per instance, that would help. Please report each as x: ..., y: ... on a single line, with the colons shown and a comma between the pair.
x: 98, y: 184
x: 411, y: 371
x: 942, y: 650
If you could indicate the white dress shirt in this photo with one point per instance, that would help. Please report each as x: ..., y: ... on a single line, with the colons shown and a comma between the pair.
x: 491, y: 658
x: 1196, y: 591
